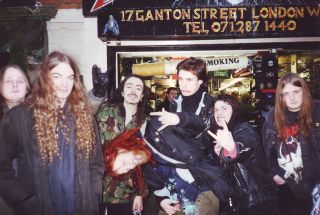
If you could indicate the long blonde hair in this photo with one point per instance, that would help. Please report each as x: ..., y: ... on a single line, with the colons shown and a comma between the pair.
x: 45, y: 107
x: 305, y: 118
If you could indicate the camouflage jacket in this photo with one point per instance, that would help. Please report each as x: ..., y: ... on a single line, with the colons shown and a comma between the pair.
x: 111, y: 121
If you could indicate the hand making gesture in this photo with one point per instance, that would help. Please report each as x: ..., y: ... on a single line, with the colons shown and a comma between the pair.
x: 166, y: 118
x: 223, y: 138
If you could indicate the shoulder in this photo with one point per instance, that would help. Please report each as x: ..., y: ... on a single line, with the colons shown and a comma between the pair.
x: 20, y: 110
x: 244, y: 127
x: 316, y: 104
x: 315, y: 110
x: 107, y: 109
x: 208, y: 99
x: 269, y: 117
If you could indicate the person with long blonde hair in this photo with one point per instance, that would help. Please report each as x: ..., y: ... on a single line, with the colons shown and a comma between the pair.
x: 291, y: 136
x: 53, y: 137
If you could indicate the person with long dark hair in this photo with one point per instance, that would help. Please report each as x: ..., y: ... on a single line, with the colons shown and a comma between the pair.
x: 55, y: 142
x: 241, y: 154
x: 127, y: 109
x: 291, y: 135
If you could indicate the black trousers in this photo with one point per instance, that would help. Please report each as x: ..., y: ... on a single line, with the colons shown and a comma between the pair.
x: 266, y: 208
x: 119, y: 209
x: 290, y: 204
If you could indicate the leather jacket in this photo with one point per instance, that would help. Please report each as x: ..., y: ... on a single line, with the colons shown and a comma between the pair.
x: 177, y: 143
x: 271, y: 141
x: 247, y: 171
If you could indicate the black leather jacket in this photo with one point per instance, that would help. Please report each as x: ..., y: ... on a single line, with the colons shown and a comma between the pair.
x: 177, y: 143
x: 205, y: 114
x: 247, y: 171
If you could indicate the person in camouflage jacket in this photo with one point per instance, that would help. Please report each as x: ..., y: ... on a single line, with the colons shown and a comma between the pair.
x: 127, y: 109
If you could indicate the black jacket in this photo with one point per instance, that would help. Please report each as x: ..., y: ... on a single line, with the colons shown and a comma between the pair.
x: 205, y: 115
x: 248, y: 171
x: 28, y: 192
x: 178, y: 143
x: 271, y: 142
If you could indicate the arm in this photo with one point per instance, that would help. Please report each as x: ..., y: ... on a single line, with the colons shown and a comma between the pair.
x: 188, y: 121
x: 269, y: 139
x: 14, y: 192
x: 246, y: 140
x: 97, y: 166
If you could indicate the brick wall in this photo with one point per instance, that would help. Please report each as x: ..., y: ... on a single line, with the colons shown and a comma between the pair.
x: 64, y: 4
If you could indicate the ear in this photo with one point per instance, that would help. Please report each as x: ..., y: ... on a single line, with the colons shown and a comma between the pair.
x: 200, y: 82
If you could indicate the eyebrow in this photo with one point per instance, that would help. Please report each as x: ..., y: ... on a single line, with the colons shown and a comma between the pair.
x: 139, y: 85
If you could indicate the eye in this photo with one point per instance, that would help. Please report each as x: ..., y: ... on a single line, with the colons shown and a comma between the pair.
x: 71, y: 78
x: 55, y: 76
x: 20, y: 81
x: 285, y: 94
x: 8, y: 81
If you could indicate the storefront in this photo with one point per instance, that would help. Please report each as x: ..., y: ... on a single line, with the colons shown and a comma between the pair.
x: 234, y: 37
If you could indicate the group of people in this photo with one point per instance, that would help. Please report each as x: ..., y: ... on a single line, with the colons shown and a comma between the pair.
x: 196, y: 155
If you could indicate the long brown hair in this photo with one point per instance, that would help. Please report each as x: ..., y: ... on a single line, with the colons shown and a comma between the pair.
x: 46, y: 110
x: 305, y: 118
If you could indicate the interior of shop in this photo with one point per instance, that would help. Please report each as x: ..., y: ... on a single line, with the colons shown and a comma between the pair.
x: 229, y: 71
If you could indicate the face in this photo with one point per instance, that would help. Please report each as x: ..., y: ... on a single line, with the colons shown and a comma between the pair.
x: 15, y: 85
x: 126, y: 161
x: 62, y: 77
x: 188, y: 83
x: 132, y: 91
x: 222, y: 112
x: 172, y: 94
x: 292, y: 97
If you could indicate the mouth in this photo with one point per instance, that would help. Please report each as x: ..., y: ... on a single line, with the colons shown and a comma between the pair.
x: 63, y: 90
x: 133, y: 95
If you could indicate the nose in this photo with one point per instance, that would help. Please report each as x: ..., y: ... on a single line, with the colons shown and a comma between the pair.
x: 15, y: 84
x: 291, y: 96
x: 182, y: 83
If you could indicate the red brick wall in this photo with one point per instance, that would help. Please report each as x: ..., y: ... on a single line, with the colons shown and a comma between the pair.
x: 63, y: 4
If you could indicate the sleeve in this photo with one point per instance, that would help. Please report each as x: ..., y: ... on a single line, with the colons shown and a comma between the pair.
x: 93, y: 102
x: 154, y: 181
x: 269, y: 139
x: 101, y: 120
x: 97, y: 166
x: 12, y: 191
x: 246, y: 140
x: 191, y: 122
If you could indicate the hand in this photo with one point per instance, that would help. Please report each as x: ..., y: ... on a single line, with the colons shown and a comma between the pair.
x: 166, y: 118
x: 278, y: 180
x: 224, y: 138
x: 217, y: 149
x: 170, y: 206
x: 137, y: 204
x: 100, y: 82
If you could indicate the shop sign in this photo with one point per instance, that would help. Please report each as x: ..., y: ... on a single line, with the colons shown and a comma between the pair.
x: 213, y: 64
x: 221, y: 74
x: 181, y: 19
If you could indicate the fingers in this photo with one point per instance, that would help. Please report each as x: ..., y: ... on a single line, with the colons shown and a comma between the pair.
x: 172, y: 210
x: 224, y: 125
x: 212, y: 135
x: 162, y: 127
x: 158, y: 113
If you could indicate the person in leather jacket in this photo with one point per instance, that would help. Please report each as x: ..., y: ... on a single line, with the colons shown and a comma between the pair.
x: 241, y: 153
x: 291, y: 137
